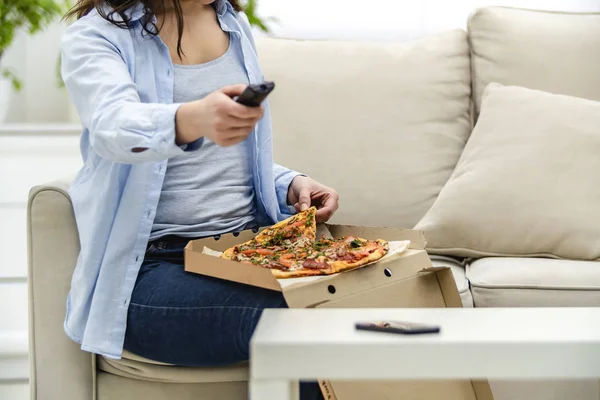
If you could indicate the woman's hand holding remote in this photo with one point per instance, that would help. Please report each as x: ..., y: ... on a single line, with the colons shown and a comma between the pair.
x: 217, y: 117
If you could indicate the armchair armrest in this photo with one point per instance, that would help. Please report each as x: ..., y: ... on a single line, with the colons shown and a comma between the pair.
x: 59, y: 370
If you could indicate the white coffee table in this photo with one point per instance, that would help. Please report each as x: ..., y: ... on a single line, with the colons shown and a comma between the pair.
x: 499, y: 343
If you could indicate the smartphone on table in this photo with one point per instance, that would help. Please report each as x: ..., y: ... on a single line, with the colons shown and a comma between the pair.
x: 399, y: 327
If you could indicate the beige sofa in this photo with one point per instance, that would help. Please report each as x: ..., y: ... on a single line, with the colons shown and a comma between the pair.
x: 393, y: 116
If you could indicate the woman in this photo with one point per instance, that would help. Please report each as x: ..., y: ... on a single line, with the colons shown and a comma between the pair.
x: 168, y: 157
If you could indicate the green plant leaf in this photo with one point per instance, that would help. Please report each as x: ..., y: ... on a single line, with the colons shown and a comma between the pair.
x: 16, y: 82
x: 59, y: 81
x: 250, y: 9
x: 31, y: 15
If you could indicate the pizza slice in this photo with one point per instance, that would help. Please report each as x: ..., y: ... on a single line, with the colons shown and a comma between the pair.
x: 327, y: 257
x: 302, y: 228
x: 301, y: 225
x: 353, y: 252
x: 304, y: 258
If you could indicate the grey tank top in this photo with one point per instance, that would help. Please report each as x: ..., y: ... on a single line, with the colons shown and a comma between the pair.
x: 208, y: 191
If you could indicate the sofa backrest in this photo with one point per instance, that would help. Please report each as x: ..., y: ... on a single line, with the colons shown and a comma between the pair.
x: 551, y: 51
x: 383, y: 123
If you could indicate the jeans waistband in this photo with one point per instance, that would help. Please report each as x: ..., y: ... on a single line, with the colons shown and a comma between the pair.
x: 173, y: 239
x: 176, y: 241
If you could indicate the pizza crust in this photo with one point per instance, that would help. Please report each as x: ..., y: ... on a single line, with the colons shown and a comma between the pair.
x: 300, y: 273
x: 229, y: 253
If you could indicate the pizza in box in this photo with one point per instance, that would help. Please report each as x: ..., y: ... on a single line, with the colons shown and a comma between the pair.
x: 290, y: 249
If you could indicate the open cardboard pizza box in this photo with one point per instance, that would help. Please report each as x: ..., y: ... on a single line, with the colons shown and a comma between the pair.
x: 407, y: 280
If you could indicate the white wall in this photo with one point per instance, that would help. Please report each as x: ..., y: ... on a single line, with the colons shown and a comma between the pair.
x: 29, y: 155
x: 14, y: 391
x: 388, y: 19
x: 34, y: 60
x: 43, y: 101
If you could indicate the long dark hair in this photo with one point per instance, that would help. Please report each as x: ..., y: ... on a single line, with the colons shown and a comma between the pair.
x: 151, y: 8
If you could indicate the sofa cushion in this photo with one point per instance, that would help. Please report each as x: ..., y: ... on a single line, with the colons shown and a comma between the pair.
x: 135, y: 367
x: 552, y: 51
x: 383, y: 123
x: 115, y: 387
x: 534, y: 282
x: 527, y: 182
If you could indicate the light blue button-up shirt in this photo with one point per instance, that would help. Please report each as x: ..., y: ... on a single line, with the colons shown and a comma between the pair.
x: 121, y: 81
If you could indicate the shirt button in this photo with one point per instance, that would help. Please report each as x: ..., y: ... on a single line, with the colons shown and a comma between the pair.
x: 168, y: 72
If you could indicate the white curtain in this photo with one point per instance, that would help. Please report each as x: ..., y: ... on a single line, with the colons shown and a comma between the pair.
x: 389, y: 20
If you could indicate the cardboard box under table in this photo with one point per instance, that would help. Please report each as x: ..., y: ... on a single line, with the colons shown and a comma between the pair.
x: 406, y: 281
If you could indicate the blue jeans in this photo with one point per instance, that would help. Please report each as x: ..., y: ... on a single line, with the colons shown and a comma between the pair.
x: 187, y: 319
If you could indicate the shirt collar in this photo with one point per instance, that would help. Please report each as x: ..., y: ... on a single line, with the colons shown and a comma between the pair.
x: 222, y: 6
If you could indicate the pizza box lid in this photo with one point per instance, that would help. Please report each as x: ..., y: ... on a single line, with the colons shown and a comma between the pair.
x: 316, y: 290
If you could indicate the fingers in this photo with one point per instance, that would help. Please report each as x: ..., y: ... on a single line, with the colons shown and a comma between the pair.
x: 233, y: 90
x: 234, y: 125
x: 229, y: 109
x: 224, y: 124
x: 235, y: 109
x: 330, y: 204
x: 230, y: 132
x: 234, y: 136
x: 307, y: 192
x: 304, y: 199
x: 238, y: 110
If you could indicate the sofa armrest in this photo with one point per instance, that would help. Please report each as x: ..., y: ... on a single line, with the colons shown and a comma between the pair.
x: 59, y: 369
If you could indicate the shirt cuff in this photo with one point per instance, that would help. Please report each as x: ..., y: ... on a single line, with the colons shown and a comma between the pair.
x: 166, y: 131
x: 283, y: 186
x: 195, y: 145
